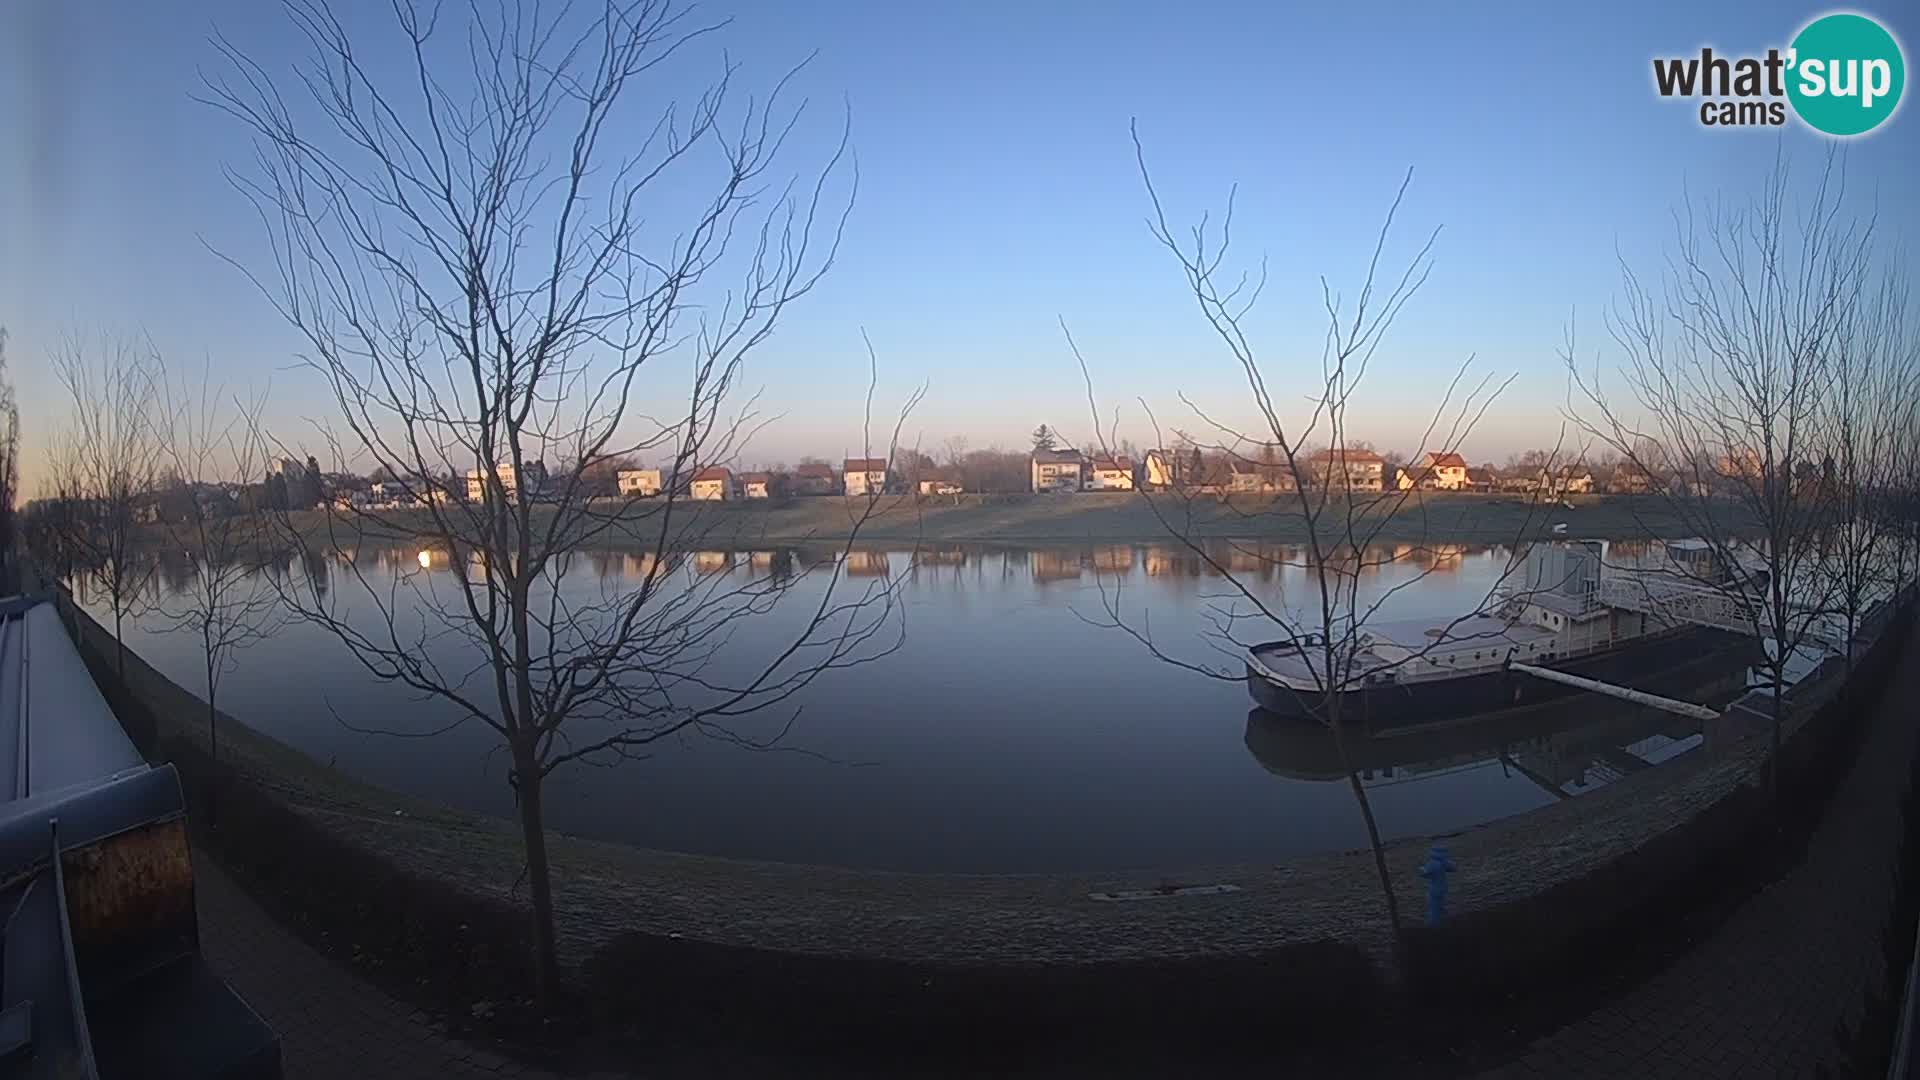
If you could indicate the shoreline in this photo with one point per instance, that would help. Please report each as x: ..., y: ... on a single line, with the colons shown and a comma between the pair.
x: 903, y: 522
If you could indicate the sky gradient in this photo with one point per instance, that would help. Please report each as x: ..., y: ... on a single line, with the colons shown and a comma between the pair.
x: 999, y: 196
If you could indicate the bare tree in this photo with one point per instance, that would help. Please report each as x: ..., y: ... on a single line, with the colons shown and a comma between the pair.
x: 954, y: 449
x: 225, y: 602
x: 1342, y: 519
x: 485, y: 282
x: 9, y: 474
x: 1727, y: 368
x: 107, y: 466
x: 1876, y: 372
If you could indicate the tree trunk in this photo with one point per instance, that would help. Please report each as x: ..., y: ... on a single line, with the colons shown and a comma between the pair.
x: 1773, y: 754
x: 213, y: 755
x: 119, y: 649
x: 539, y: 881
x: 1373, y: 840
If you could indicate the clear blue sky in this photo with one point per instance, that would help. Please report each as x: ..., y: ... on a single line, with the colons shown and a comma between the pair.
x: 998, y: 192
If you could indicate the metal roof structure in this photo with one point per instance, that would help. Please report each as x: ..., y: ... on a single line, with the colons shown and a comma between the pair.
x: 55, y: 727
x: 100, y: 968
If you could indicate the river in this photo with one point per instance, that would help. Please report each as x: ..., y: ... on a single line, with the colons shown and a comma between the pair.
x: 1009, y: 732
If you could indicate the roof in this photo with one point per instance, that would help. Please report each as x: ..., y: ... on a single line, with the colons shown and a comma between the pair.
x: 868, y: 464
x: 55, y: 726
x: 1351, y: 457
x: 713, y: 472
x: 1113, y: 463
x: 813, y: 471
x: 755, y: 477
x: 1480, y: 476
x: 1432, y: 460
x: 638, y: 472
x: 1069, y: 456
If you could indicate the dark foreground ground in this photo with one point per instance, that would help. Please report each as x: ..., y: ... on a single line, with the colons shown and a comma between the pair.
x: 1782, y: 968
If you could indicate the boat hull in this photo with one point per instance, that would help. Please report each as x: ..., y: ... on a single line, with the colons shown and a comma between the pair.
x: 1649, y: 664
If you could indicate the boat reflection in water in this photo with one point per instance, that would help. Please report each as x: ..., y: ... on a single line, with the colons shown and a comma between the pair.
x: 1567, y: 746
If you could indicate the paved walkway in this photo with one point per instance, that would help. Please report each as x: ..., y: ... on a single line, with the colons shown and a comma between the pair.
x: 331, y: 1023
x: 1772, y: 991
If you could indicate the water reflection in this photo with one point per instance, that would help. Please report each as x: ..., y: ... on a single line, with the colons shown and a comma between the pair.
x: 1564, y: 747
x: 1008, y: 733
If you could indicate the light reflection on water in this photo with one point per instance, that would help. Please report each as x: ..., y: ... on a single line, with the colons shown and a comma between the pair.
x: 1009, y: 732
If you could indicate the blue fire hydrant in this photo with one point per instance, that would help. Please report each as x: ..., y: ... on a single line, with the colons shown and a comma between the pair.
x: 1437, y: 868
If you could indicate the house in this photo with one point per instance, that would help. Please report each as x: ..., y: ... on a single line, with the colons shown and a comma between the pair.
x: 1482, y: 480
x: 713, y: 483
x: 1110, y: 474
x: 1566, y: 480
x: 1520, y: 481
x: 1243, y: 477
x: 1350, y: 469
x: 1164, y: 468
x: 638, y: 483
x: 1435, y: 472
x: 392, y: 494
x: 536, y: 478
x: 813, y: 479
x: 864, y: 476
x: 939, y: 483
x: 1057, y: 470
x: 1630, y: 479
x: 756, y: 485
x: 1258, y: 477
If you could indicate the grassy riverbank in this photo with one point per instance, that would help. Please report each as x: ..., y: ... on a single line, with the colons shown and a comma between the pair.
x: 1437, y: 518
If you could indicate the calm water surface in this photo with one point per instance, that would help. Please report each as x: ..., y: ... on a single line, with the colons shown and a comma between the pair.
x: 1008, y: 733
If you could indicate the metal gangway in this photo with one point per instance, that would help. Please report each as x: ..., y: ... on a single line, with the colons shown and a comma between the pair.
x: 1678, y: 602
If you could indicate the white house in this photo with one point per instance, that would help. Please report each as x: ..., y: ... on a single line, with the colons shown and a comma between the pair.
x: 1162, y: 470
x: 391, y: 493
x: 1568, y: 480
x: 1434, y: 472
x: 509, y: 480
x: 1110, y: 474
x: 1354, y: 470
x: 755, y: 485
x: 712, y: 484
x: 865, y: 476
x: 1058, y: 470
x: 939, y: 484
x: 638, y: 483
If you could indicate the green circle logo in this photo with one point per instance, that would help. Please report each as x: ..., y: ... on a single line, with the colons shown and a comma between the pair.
x: 1845, y: 74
